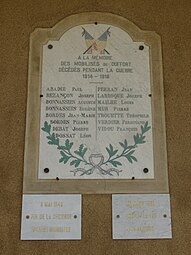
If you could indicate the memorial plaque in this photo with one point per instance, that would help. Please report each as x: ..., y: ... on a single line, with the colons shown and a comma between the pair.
x: 141, y: 216
x: 51, y: 217
x: 95, y: 117
x: 96, y: 110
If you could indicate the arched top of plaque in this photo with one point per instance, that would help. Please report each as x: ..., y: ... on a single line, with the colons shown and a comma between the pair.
x: 150, y: 38
x: 95, y: 110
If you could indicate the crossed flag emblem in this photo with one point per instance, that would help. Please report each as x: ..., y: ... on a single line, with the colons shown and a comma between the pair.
x: 98, y: 44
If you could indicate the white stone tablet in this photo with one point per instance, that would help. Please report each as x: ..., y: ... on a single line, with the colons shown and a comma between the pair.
x: 141, y: 216
x: 96, y: 119
x: 51, y: 217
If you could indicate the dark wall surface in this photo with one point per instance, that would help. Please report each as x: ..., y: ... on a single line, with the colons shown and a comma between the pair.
x: 171, y: 20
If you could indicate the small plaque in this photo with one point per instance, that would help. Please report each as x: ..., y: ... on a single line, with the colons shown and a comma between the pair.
x: 51, y: 217
x: 141, y: 216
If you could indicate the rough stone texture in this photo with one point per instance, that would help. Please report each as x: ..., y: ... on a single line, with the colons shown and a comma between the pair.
x: 171, y: 20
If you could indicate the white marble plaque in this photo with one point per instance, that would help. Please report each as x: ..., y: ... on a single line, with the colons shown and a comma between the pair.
x: 141, y: 216
x: 96, y: 118
x: 51, y: 217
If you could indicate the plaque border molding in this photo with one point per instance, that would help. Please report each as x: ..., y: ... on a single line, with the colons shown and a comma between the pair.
x: 40, y: 37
